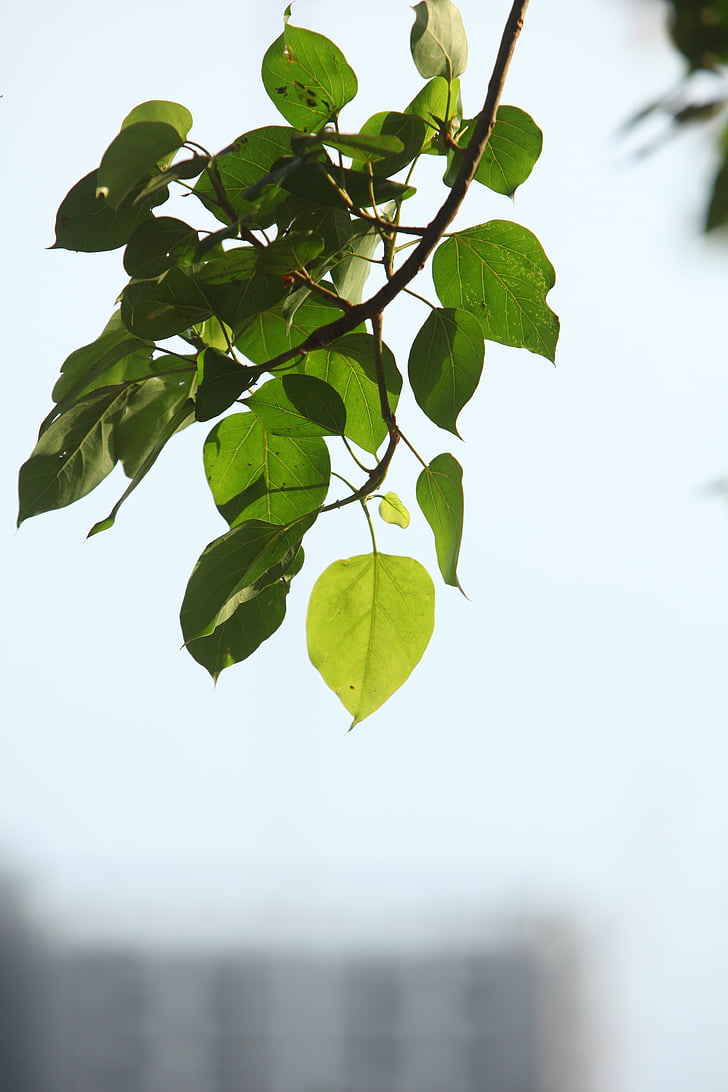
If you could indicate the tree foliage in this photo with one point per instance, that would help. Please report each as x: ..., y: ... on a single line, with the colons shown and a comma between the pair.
x: 261, y: 325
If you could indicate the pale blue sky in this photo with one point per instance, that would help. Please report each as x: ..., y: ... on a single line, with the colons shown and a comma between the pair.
x: 562, y: 748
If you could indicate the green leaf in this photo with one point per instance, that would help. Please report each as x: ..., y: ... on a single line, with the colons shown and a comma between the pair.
x: 115, y: 356
x: 370, y: 619
x: 348, y: 366
x: 324, y: 183
x: 236, y: 289
x: 351, y: 273
x: 158, y: 244
x: 364, y: 147
x: 222, y: 382
x: 85, y: 222
x: 73, y: 455
x: 445, y: 364
x: 510, y: 154
x: 436, y: 104
x: 234, y: 569
x: 240, y: 168
x: 308, y: 78
x: 290, y: 253
x: 438, y: 41
x: 185, y: 168
x: 148, y: 411
x: 254, y: 474
x: 163, y: 307
x: 243, y: 632
x: 409, y: 129
x: 271, y: 332
x: 132, y: 156
x: 439, y: 494
x: 393, y: 511
x: 140, y: 457
x: 499, y: 272
x: 299, y: 405
x: 159, y: 110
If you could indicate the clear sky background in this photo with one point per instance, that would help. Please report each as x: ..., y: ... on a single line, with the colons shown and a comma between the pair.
x: 563, y: 748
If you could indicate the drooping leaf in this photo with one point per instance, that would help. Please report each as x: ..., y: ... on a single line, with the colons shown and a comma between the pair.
x: 132, y: 156
x: 222, y: 381
x: 438, y: 41
x: 115, y: 355
x: 500, y: 273
x: 85, y: 222
x: 158, y: 244
x: 409, y: 129
x: 247, y: 627
x: 143, y: 451
x: 73, y: 455
x: 148, y: 411
x: 235, y: 568
x: 348, y: 366
x: 165, y: 306
x: 240, y: 167
x: 369, y: 621
x: 392, y: 510
x: 445, y: 364
x: 299, y: 405
x: 439, y: 494
x: 510, y: 154
x: 364, y: 147
x: 255, y: 474
x: 307, y: 77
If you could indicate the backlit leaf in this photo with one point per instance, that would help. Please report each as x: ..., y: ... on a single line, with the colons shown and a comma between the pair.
x: 240, y: 167
x: 369, y: 621
x: 247, y: 627
x: 499, y: 272
x: 440, y: 497
x: 254, y: 474
x: 409, y: 129
x: 348, y: 366
x: 299, y: 405
x: 512, y: 149
x: 307, y: 77
x: 132, y: 156
x: 392, y: 510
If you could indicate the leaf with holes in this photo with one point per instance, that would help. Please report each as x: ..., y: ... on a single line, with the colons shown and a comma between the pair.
x: 499, y: 272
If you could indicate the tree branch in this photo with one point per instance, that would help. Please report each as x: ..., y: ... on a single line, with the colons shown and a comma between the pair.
x: 409, y: 269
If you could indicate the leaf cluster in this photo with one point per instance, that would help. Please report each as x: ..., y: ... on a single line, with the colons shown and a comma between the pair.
x: 259, y: 323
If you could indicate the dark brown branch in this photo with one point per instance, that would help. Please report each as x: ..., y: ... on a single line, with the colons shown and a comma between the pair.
x: 409, y: 269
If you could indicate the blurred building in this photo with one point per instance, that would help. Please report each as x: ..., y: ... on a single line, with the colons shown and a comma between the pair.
x: 428, y: 1021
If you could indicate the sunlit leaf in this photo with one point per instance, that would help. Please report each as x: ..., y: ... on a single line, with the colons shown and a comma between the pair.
x: 436, y: 104
x: 348, y: 366
x: 299, y: 405
x: 271, y: 332
x: 369, y: 621
x: 254, y: 474
x: 132, y: 156
x: 307, y: 77
x: 440, y: 497
x: 392, y: 510
x: 499, y: 272
x: 160, y: 110
x: 240, y: 167
x: 510, y: 154
x: 445, y: 364
x: 409, y: 129
x: 289, y: 253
